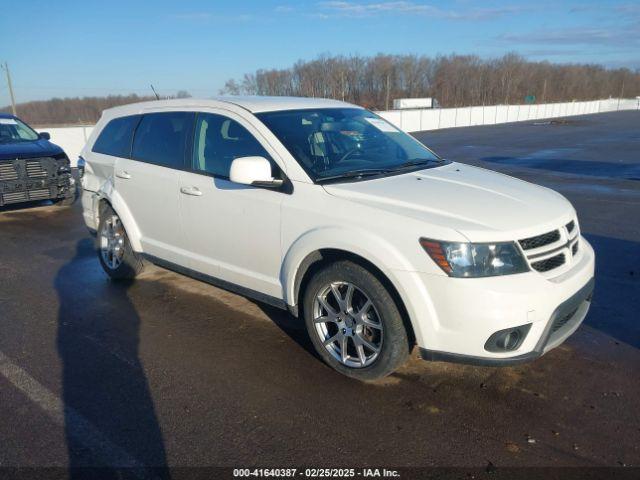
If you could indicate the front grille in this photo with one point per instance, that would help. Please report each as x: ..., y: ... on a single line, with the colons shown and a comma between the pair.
x: 560, y: 322
x: 31, y: 195
x: 540, y: 240
x: 570, y: 226
x: 549, y: 263
x: 14, y: 197
x: 35, y: 170
x: 39, y: 194
x: 8, y: 171
x: 30, y: 179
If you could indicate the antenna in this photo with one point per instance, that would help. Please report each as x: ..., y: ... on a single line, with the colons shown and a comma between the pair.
x: 154, y: 92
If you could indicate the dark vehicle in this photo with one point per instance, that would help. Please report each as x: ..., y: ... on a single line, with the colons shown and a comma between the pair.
x: 31, y: 167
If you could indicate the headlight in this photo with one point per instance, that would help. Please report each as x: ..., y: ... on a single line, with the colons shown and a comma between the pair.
x: 62, y: 169
x: 475, y: 259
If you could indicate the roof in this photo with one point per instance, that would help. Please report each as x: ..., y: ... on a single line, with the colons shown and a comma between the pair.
x: 258, y: 104
x: 254, y: 104
x: 6, y: 115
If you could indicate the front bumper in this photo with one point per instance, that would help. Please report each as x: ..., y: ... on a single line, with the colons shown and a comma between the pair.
x: 563, y: 322
x: 453, y: 318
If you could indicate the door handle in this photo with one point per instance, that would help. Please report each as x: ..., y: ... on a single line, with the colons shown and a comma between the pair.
x: 195, y: 191
x: 123, y: 174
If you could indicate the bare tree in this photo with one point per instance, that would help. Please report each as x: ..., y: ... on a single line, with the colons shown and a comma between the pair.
x: 85, y: 110
x: 454, y: 80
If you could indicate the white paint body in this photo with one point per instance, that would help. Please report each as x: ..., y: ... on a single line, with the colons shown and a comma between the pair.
x: 247, y: 170
x: 258, y: 238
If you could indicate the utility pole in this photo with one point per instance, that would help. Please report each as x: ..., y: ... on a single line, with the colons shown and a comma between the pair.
x: 13, y: 100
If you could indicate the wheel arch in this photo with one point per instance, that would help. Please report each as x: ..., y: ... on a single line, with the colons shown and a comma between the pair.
x: 109, y: 196
x: 316, y: 260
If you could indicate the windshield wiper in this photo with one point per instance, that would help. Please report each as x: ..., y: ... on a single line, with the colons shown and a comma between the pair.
x: 355, y: 174
x: 416, y: 162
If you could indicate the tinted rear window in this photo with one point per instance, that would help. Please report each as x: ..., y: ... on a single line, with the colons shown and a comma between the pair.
x: 115, y: 138
x: 161, y: 138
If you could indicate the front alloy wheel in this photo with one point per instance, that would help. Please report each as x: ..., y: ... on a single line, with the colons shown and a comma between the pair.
x: 347, y: 324
x: 354, y: 321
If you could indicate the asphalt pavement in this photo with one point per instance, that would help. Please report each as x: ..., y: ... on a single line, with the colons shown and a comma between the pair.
x: 167, y: 371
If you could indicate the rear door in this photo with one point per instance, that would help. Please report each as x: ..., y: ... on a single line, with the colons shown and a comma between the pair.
x: 148, y: 181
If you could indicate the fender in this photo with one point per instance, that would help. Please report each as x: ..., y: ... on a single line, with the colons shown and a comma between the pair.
x: 354, y: 240
x: 111, y: 195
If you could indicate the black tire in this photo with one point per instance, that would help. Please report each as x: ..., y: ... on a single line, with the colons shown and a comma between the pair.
x: 130, y: 264
x: 394, y: 348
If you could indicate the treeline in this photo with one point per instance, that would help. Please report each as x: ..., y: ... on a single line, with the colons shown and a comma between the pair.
x: 75, y: 111
x: 86, y: 110
x: 454, y: 80
x: 373, y: 82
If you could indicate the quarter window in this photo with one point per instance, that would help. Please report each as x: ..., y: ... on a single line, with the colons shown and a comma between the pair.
x: 220, y: 140
x: 161, y: 138
x: 115, y: 138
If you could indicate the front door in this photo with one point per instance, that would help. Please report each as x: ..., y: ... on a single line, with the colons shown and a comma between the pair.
x: 233, y: 230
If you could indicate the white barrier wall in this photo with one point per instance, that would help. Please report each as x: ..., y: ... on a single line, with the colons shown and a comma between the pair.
x: 72, y: 139
x: 433, y: 119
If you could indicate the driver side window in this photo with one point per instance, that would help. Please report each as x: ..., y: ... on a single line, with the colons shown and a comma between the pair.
x: 218, y: 141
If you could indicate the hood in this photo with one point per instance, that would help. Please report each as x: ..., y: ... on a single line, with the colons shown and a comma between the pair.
x: 37, y: 148
x: 480, y: 204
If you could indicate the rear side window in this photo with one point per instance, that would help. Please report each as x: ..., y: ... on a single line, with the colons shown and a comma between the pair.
x: 161, y: 138
x: 115, y: 138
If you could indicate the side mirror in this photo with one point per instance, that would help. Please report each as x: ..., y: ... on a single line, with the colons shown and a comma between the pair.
x: 254, y: 171
x: 45, y: 136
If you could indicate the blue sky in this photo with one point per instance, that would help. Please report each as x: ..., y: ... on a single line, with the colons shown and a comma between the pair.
x: 73, y: 48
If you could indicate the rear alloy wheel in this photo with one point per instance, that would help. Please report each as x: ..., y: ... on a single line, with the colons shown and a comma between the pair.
x: 114, y: 249
x: 354, y: 322
x: 112, y: 238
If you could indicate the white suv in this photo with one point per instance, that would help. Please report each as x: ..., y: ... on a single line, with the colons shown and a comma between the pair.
x: 327, y: 210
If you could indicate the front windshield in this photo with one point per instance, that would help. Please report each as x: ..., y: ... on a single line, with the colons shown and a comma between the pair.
x: 339, y: 142
x: 13, y: 130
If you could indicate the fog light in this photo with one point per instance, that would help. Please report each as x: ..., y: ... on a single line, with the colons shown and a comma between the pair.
x: 508, y: 339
